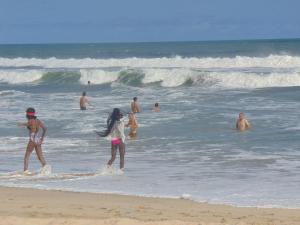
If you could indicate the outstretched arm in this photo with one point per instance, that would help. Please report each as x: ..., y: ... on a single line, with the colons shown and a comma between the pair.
x: 23, y: 124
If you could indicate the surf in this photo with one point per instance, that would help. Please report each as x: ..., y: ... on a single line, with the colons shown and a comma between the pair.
x: 156, y: 77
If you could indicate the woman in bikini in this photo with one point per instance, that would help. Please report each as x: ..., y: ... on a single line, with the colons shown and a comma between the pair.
x: 115, y: 130
x: 37, y: 132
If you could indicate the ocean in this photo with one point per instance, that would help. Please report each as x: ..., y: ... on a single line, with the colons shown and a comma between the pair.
x: 190, y: 149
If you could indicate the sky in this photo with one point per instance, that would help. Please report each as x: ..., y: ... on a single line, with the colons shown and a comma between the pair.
x: 97, y: 21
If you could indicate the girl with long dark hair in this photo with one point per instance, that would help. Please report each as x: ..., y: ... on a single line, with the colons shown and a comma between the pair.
x: 115, y: 130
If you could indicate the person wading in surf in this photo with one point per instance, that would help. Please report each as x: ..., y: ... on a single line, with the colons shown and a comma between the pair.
x: 37, y: 132
x: 115, y: 130
x: 83, y: 102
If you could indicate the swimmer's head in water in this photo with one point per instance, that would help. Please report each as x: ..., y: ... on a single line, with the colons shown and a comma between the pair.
x: 156, y: 104
x: 135, y: 99
x: 84, y: 93
x: 30, y: 113
x: 130, y: 114
x: 241, y: 115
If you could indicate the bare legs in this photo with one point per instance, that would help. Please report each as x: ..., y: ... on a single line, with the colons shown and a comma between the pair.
x: 39, y: 153
x: 114, y: 153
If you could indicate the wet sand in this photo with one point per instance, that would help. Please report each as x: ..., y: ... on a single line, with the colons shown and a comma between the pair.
x: 24, y: 206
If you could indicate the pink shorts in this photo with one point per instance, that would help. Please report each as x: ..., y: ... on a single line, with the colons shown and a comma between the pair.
x: 116, y: 141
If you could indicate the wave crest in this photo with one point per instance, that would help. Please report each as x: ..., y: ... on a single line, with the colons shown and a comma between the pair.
x: 155, y: 77
x: 272, y: 61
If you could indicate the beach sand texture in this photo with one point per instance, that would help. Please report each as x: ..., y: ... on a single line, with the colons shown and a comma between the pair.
x: 22, y: 206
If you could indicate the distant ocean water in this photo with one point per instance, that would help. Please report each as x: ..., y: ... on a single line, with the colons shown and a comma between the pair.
x: 190, y: 148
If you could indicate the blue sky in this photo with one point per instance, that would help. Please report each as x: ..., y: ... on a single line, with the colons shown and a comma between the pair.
x: 61, y: 21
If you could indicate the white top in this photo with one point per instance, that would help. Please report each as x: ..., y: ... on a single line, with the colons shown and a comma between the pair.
x: 118, y: 131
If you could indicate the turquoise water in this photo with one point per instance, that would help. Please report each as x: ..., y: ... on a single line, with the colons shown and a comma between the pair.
x: 154, y: 50
x: 188, y: 149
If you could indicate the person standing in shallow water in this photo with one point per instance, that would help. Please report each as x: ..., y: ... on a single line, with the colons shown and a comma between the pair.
x: 37, y: 132
x: 135, y: 106
x: 83, y: 102
x: 242, y: 124
x: 115, y: 130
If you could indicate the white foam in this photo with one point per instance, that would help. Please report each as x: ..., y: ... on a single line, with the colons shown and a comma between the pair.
x: 251, y: 80
x: 20, y: 76
x: 186, y: 196
x: 11, y: 92
x: 272, y: 61
x: 46, y: 170
x: 167, y: 77
x: 110, y: 170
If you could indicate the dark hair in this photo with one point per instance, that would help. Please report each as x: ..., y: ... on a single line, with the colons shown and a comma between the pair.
x: 135, y: 98
x: 83, y: 93
x: 30, y: 110
x: 116, y: 115
x: 156, y: 104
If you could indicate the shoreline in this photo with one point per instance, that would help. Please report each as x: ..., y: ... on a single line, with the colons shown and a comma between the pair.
x: 35, y: 206
x: 189, y: 198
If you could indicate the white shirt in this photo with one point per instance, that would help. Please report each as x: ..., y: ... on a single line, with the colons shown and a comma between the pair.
x: 118, y: 131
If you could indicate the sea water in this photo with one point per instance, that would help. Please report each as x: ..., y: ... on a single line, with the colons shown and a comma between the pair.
x: 191, y: 148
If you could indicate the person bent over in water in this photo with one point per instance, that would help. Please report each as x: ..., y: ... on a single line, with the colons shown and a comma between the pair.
x: 37, y: 132
x: 115, y: 129
x: 242, y: 123
x: 133, y: 124
x: 83, y: 102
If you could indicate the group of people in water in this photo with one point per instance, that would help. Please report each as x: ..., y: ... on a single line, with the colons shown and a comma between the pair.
x: 115, y: 131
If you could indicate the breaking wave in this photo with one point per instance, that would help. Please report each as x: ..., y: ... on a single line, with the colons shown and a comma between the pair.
x: 237, y: 72
x: 154, y: 77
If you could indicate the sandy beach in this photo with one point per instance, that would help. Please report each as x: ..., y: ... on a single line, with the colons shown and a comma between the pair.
x: 39, y: 207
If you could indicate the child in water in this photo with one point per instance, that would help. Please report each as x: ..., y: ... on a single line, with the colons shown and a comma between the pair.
x: 37, y: 132
x: 133, y: 124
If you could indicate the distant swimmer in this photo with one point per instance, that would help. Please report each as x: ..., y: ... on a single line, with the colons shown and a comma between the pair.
x: 156, y: 108
x: 37, y: 132
x: 115, y: 130
x: 89, y: 83
x: 135, y: 106
x: 133, y: 124
x: 242, y: 123
x: 83, y: 102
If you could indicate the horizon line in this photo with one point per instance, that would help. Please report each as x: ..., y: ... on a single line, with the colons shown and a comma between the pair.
x: 149, y: 42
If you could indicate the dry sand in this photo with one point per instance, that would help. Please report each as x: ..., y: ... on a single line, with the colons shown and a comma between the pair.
x: 38, y: 207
